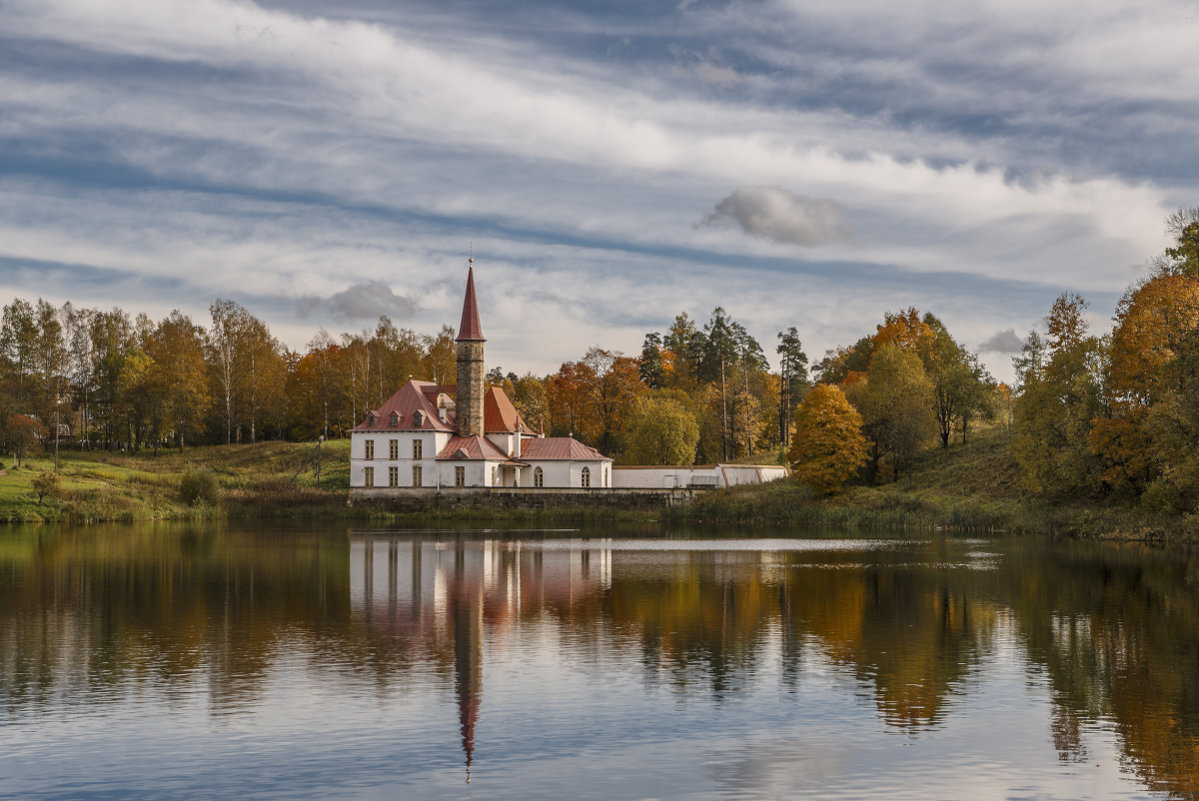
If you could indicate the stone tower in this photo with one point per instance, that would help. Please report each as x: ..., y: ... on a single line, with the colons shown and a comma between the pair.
x: 469, y: 400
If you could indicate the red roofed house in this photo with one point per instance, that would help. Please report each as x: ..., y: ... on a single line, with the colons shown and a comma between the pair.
x: 468, y: 435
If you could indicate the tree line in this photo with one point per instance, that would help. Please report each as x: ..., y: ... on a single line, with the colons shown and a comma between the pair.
x: 106, y: 379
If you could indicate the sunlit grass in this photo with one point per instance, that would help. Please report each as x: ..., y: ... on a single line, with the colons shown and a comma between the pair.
x: 102, y: 485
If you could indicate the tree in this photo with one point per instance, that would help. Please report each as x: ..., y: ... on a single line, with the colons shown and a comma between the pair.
x: 896, y: 406
x: 22, y: 433
x: 176, y: 347
x: 45, y: 483
x: 1148, y: 368
x: 793, y: 370
x: 650, y: 369
x: 660, y: 429
x: 828, y: 445
x: 612, y: 382
x: 1057, y: 404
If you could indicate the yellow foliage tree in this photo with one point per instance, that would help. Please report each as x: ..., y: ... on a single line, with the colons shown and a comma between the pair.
x: 827, y: 446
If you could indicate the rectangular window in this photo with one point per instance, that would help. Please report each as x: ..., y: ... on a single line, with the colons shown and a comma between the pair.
x: 417, y: 478
x: 393, y: 476
x: 368, y: 476
x: 393, y: 449
x: 370, y: 449
x: 417, y: 449
x: 459, y: 476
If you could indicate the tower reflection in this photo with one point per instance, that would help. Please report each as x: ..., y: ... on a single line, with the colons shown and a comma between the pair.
x: 444, y: 597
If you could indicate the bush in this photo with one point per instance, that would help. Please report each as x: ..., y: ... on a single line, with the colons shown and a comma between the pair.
x: 45, y: 483
x: 198, y: 486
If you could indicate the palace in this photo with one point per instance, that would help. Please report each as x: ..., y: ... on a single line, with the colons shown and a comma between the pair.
x: 466, y: 435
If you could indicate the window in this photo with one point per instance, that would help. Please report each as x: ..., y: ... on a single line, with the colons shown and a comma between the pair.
x: 393, y: 476
x: 370, y: 449
x: 417, y: 478
x: 538, y: 477
x: 495, y: 474
x: 368, y: 476
x: 393, y: 449
x: 585, y: 478
x: 370, y: 420
x: 459, y: 476
x: 394, y: 420
x: 418, y: 419
x: 417, y: 448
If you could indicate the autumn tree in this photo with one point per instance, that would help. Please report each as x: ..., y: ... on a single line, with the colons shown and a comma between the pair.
x: 828, y: 445
x: 176, y: 348
x: 896, y: 407
x: 660, y: 430
x: 22, y: 434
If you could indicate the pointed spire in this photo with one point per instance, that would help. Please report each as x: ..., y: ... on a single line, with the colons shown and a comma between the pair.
x: 469, y: 329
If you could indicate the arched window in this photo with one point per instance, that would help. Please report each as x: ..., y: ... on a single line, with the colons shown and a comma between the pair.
x: 538, y: 477
x: 585, y: 478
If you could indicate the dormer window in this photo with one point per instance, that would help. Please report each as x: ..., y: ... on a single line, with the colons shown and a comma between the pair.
x: 370, y: 420
x: 394, y: 421
x: 418, y: 419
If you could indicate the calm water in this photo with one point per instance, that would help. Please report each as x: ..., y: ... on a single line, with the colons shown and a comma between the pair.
x: 226, y: 662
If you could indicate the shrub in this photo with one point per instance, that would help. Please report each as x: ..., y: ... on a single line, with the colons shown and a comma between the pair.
x: 45, y: 483
x: 198, y: 487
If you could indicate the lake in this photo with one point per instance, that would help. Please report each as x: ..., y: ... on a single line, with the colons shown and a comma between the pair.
x: 243, y: 661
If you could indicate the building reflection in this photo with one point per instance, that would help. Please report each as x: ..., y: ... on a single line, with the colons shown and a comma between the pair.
x: 444, y: 597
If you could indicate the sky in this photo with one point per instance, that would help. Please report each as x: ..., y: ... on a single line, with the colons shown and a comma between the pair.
x: 609, y: 165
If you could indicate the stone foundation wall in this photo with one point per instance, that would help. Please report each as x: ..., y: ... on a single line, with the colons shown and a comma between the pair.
x: 403, y: 499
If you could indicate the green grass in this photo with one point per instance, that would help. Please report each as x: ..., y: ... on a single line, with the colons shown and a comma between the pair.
x: 266, y: 477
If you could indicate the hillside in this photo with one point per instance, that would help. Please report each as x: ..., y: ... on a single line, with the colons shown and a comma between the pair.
x: 969, y: 489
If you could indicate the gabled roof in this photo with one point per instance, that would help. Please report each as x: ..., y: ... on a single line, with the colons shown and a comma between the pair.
x: 415, y: 396
x: 500, y: 416
x: 469, y: 329
x: 559, y: 448
x: 472, y: 447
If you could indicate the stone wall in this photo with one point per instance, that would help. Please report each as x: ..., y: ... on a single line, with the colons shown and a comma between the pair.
x: 403, y: 499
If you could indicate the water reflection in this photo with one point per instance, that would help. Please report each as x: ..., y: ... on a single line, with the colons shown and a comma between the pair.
x: 918, y: 632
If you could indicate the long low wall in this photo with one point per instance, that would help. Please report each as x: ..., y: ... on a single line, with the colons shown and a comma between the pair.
x: 693, y: 476
x: 406, y: 499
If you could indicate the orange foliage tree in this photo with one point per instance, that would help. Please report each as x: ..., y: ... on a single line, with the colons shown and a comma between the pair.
x: 827, y: 446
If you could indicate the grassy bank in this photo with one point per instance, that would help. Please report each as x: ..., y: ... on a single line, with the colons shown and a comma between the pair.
x: 971, y: 489
x: 103, y: 486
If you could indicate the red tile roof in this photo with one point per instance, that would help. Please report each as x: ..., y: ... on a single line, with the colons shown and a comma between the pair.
x: 499, y: 415
x: 558, y: 448
x: 469, y: 329
x: 414, y: 396
x: 473, y: 447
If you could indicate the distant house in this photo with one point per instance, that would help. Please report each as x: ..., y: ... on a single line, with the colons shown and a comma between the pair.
x: 467, y: 435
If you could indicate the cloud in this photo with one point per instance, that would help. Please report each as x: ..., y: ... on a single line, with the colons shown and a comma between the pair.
x: 1006, y: 341
x: 781, y: 216
x: 366, y: 301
